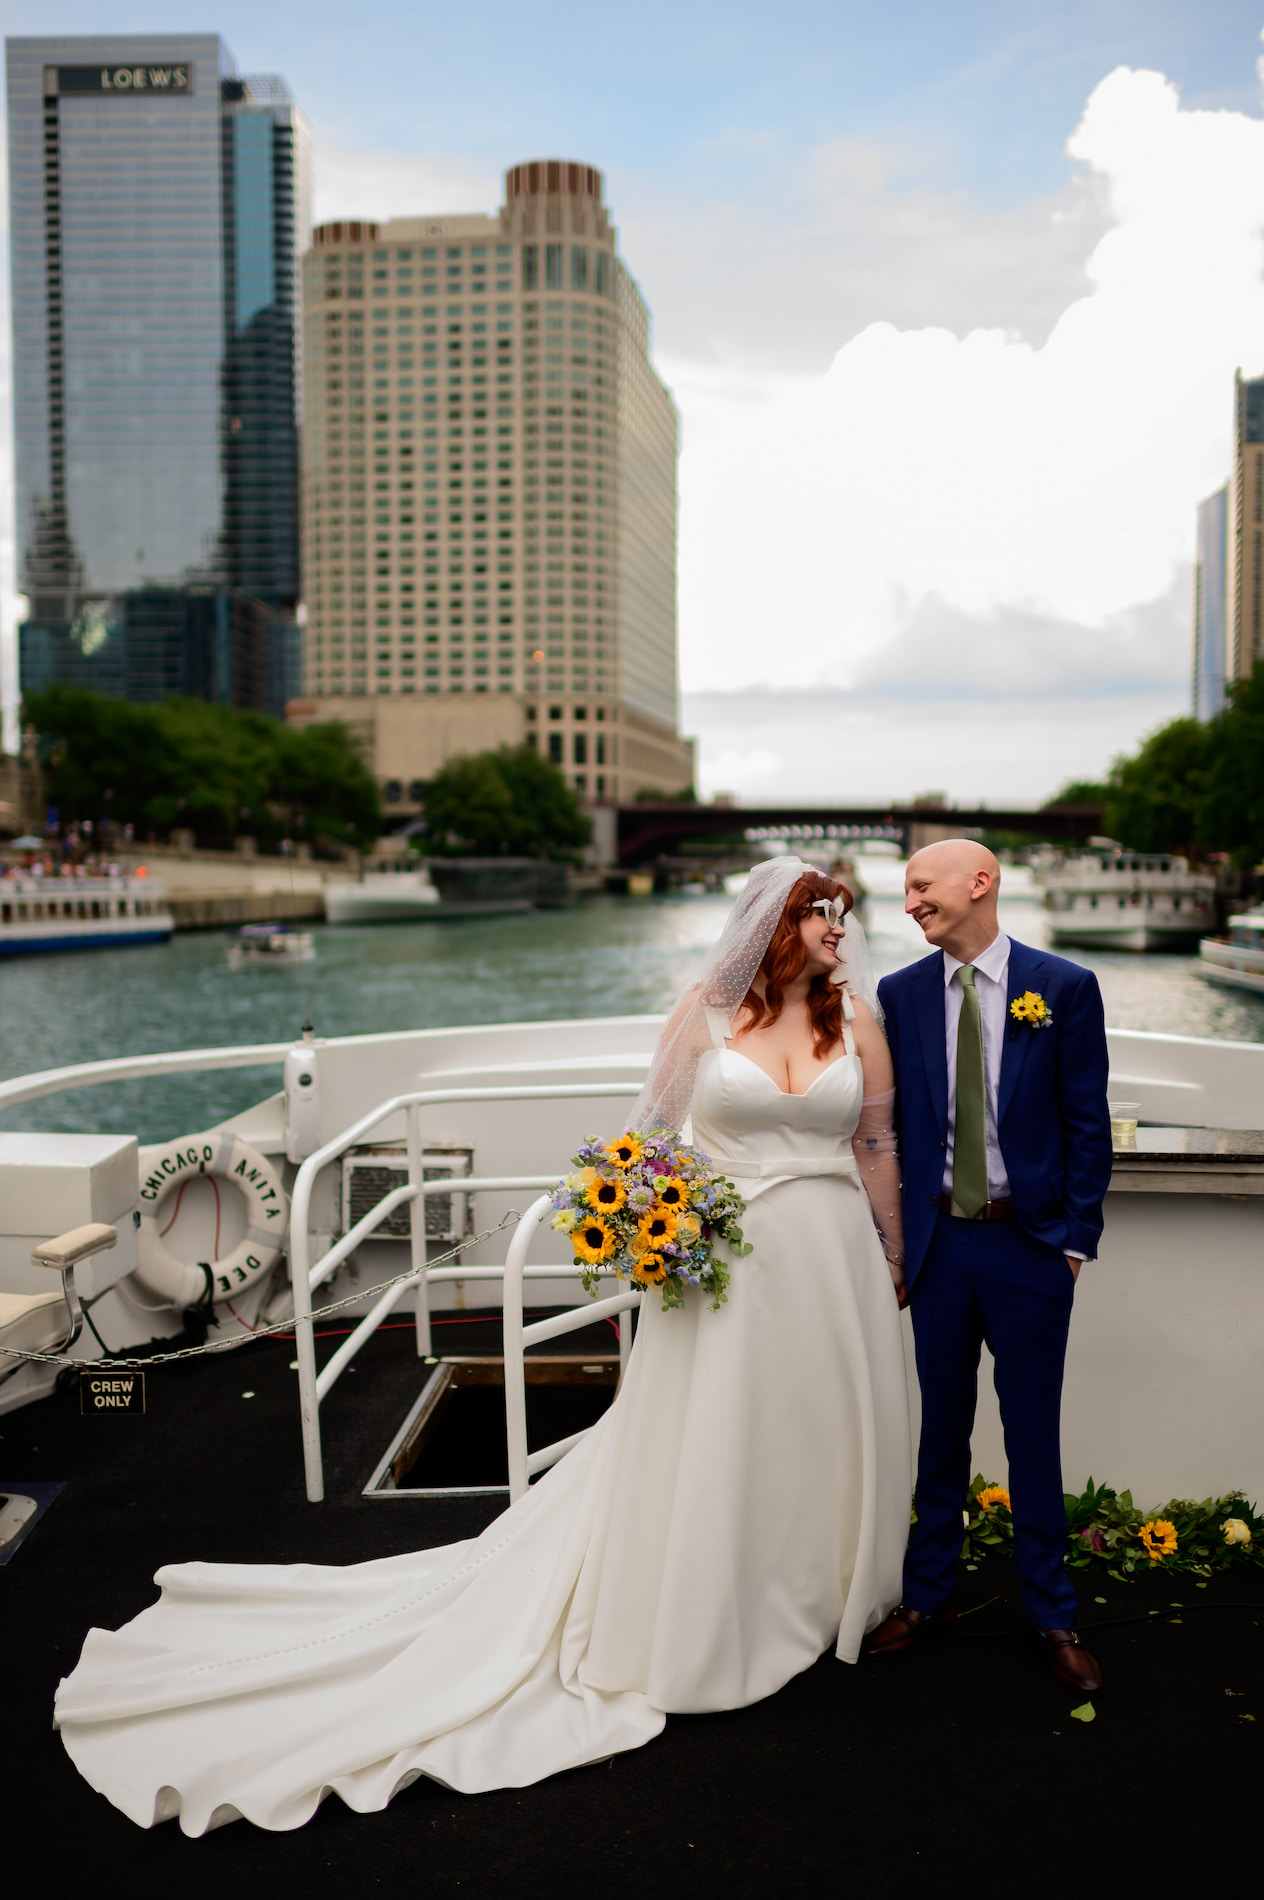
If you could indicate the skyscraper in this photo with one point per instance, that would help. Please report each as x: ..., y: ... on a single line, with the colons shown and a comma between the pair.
x: 1210, y: 599
x: 1245, y: 643
x: 490, y: 493
x: 159, y: 206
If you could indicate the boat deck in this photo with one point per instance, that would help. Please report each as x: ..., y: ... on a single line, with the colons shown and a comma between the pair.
x: 959, y: 1769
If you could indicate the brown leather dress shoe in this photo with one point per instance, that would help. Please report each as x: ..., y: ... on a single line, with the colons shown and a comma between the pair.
x: 905, y: 1628
x: 1069, y: 1662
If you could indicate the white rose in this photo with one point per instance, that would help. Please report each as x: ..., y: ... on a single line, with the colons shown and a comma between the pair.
x: 1236, y: 1531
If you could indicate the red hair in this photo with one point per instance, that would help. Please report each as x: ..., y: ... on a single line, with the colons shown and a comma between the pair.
x: 784, y: 959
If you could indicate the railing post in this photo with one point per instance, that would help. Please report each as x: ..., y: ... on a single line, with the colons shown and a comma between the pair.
x: 515, y: 1371
x: 625, y: 1342
x: 417, y: 1229
x: 304, y: 1338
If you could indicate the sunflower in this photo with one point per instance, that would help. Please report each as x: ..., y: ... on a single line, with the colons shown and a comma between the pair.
x: 653, y: 1229
x: 1158, y: 1537
x: 673, y: 1192
x: 609, y: 1196
x: 993, y: 1495
x: 593, y: 1240
x: 649, y: 1270
x: 626, y: 1151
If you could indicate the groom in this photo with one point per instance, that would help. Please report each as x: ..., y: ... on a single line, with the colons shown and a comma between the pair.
x: 1000, y: 1066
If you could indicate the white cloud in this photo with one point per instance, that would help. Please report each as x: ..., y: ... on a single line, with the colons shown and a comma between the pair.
x: 381, y: 185
x: 980, y: 483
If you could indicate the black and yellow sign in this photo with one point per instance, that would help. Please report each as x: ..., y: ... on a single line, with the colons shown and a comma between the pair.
x: 102, y: 1392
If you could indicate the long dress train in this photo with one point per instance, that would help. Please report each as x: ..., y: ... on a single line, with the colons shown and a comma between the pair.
x: 741, y: 1507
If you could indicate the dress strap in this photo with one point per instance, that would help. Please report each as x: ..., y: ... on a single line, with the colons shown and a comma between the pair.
x: 849, y: 1017
x: 720, y: 1025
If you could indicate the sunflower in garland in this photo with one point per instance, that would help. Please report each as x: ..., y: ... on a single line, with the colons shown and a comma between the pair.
x: 654, y: 1230
x: 650, y: 1269
x: 626, y: 1151
x: 1158, y: 1538
x: 593, y: 1240
x: 609, y: 1196
x: 992, y: 1496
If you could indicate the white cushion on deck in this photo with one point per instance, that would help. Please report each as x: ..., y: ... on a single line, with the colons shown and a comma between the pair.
x: 35, y: 1322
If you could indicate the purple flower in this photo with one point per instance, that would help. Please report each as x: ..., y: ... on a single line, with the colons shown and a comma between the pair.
x: 1095, y: 1539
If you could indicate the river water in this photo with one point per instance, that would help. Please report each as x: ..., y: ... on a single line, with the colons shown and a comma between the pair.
x: 607, y: 956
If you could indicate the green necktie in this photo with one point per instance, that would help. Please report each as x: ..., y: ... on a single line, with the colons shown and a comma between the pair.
x: 969, y: 1154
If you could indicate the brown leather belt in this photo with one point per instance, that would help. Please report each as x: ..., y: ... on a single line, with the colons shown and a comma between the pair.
x: 990, y: 1210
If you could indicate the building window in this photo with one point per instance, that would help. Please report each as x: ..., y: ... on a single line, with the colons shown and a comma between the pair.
x: 555, y: 747
x: 553, y: 266
x: 581, y: 748
x: 579, y: 267
x: 530, y: 266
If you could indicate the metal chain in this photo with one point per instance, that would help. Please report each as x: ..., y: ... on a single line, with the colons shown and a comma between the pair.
x: 258, y: 1332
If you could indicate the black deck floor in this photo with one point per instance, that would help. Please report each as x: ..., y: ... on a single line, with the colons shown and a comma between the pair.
x: 957, y: 1771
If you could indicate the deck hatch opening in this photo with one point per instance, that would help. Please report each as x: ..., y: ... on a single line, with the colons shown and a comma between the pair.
x: 452, y: 1442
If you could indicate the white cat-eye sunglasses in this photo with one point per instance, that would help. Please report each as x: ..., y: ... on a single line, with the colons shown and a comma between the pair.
x: 834, y: 909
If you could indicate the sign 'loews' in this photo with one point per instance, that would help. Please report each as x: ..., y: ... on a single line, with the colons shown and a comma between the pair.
x: 75, y: 81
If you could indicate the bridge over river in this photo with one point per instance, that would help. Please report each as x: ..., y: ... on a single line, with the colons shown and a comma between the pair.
x: 644, y: 833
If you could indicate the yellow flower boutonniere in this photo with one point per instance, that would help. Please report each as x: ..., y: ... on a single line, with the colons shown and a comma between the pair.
x: 1033, y: 1010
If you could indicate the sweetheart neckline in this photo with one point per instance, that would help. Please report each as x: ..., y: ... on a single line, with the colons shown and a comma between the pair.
x: 791, y: 1095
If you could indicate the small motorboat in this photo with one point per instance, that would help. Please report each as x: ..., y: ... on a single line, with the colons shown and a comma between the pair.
x: 1238, y: 959
x: 268, y: 946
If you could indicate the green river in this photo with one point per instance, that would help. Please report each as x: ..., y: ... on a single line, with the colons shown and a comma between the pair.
x: 607, y: 956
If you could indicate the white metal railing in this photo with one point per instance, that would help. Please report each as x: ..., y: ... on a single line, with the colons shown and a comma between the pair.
x: 523, y: 1465
x: 80, y: 1075
x: 307, y: 1275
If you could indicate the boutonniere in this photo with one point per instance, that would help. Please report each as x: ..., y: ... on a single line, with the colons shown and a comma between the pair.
x: 1032, y: 1009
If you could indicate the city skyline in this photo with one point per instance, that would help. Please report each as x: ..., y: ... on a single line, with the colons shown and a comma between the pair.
x: 780, y: 201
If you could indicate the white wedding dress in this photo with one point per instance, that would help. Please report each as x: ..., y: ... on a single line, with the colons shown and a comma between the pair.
x: 741, y: 1507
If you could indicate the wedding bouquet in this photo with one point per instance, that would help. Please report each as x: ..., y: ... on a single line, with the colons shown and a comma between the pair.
x: 650, y: 1209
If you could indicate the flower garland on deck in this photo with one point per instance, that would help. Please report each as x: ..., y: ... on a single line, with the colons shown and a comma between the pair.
x: 1106, y: 1530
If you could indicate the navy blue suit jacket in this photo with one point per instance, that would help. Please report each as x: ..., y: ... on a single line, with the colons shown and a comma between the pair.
x: 1052, y: 1120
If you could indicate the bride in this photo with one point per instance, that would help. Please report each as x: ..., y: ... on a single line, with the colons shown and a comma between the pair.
x: 742, y: 1505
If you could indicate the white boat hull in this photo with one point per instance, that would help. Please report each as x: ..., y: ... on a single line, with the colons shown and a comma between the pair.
x: 1122, y: 936
x: 1239, y: 966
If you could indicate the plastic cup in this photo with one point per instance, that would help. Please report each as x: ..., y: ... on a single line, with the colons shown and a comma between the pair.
x: 1123, y: 1120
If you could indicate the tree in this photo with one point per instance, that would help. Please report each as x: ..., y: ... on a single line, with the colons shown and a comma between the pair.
x: 1231, y: 805
x: 184, y: 763
x: 1154, y: 801
x: 511, y: 802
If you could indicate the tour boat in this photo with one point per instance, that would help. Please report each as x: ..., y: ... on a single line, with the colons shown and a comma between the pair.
x: 405, y: 1403
x: 347, y: 1176
x: 1115, y: 899
x: 80, y: 913
x: 268, y: 946
x: 1238, y: 959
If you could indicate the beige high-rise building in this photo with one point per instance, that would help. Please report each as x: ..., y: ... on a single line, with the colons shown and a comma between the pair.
x: 489, y: 494
x: 1246, y: 531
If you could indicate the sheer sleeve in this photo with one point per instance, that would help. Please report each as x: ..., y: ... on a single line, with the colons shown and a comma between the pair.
x: 878, y: 1158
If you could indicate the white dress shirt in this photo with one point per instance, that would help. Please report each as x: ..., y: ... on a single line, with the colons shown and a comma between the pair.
x: 991, y: 982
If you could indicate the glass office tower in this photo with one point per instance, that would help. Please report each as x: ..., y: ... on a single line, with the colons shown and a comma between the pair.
x: 159, y: 205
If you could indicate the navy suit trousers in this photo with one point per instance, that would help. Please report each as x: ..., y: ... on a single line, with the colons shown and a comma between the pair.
x: 990, y: 1283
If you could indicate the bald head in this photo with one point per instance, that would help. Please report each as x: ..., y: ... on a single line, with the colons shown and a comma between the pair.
x: 951, y: 891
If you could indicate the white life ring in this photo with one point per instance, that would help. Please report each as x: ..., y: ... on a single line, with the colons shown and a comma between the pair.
x: 201, y: 1283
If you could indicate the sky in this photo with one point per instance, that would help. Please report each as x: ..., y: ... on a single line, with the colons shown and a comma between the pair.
x: 949, y: 298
